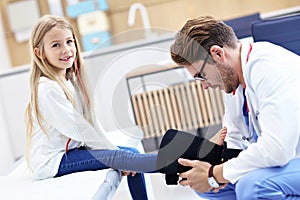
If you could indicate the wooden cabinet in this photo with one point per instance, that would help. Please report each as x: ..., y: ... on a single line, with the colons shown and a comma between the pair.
x: 18, y: 52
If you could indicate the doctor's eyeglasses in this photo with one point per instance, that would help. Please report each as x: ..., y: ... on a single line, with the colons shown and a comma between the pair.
x: 199, y: 76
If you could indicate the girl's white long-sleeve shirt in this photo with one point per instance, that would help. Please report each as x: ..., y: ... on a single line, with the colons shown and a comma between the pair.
x: 272, y: 84
x: 62, y: 121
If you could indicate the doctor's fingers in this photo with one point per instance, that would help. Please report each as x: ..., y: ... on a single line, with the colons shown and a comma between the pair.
x: 198, y: 173
x: 194, y: 163
x: 194, y: 176
x: 187, y: 162
x: 197, y: 165
x: 199, y: 186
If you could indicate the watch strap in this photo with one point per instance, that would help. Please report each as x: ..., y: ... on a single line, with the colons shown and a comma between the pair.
x: 211, y: 171
x: 211, y: 179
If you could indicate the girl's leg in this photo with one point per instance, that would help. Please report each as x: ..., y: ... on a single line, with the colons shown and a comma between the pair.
x: 136, y: 184
x: 126, y: 160
x: 219, y: 137
x: 77, y: 160
x: 271, y: 183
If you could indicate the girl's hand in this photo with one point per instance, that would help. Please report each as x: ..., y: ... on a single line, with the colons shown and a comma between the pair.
x: 126, y: 173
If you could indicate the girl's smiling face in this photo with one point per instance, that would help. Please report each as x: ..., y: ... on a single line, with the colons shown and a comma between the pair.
x: 60, y: 49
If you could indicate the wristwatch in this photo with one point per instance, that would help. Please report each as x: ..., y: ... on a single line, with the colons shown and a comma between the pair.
x: 211, y: 179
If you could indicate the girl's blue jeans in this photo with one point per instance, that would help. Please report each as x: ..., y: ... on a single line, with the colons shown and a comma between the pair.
x: 123, y: 159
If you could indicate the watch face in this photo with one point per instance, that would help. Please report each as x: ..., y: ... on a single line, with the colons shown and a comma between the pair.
x: 212, y: 182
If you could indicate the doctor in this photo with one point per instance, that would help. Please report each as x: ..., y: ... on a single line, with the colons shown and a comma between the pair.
x: 269, y: 167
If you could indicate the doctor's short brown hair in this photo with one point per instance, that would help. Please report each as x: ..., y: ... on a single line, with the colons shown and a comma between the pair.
x: 193, y: 41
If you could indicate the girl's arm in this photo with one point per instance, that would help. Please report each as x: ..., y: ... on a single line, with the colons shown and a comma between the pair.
x: 59, y: 113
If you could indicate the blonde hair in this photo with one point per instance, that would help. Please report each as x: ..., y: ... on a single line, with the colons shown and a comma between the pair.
x: 40, y: 67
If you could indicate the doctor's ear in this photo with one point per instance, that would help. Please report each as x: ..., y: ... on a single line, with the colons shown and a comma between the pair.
x: 217, y: 53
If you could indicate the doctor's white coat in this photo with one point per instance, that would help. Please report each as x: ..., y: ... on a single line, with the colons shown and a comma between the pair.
x: 272, y: 77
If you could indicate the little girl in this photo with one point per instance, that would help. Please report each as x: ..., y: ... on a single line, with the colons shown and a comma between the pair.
x: 62, y: 136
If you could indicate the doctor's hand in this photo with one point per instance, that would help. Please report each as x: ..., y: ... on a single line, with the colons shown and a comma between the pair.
x: 197, y: 177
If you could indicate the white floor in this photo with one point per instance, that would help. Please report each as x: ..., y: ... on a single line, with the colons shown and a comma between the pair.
x: 158, y: 190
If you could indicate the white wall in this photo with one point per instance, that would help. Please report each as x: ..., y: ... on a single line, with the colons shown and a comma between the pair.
x: 6, y: 152
x: 14, y: 94
x: 4, y: 54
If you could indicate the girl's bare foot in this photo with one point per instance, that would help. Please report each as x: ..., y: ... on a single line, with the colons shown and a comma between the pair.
x: 219, y: 137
